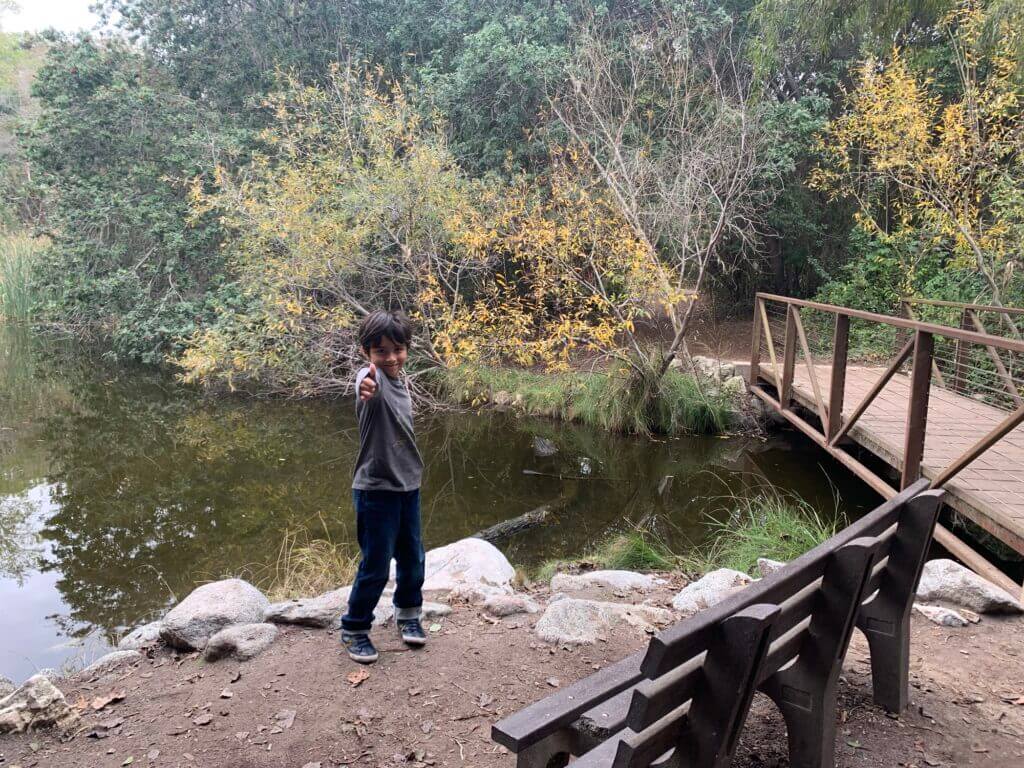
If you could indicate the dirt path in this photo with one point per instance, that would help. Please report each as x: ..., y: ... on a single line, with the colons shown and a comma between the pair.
x: 295, y: 705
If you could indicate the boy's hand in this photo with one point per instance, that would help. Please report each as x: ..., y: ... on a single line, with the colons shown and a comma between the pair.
x: 368, y: 386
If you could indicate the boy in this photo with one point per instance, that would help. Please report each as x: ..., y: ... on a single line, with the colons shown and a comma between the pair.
x: 385, y: 489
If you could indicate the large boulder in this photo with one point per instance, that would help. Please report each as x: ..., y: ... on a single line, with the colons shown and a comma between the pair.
x: 36, y: 704
x: 141, y: 637
x: 711, y: 589
x: 766, y: 566
x: 242, y: 642
x: 619, y: 580
x: 951, y: 582
x: 7, y: 687
x: 110, y: 662
x: 584, y: 622
x: 211, y: 608
x: 467, y: 561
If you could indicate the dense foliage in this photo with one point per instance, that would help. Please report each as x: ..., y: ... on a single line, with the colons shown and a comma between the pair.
x: 229, y: 185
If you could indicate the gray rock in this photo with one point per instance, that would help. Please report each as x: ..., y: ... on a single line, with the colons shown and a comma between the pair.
x: 476, y: 594
x: 705, y: 367
x: 36, y: 704
x: 242, y: 642
x: 6, y: 687
x: 502, y: 400
x: 543, y: 448
x: 111, y: 662
x: 767, y: 567
x: 734, y: 386
x: 568, y: 582
x: 950, y: 582
x: 728, y: 371
x: 211, y: 608
x: 507, y: 605
x: 711, y: 589
x: 584, y: 622
x: 946, y: 617
x: 141, y: 637
x: 467, y: 561
x: 322, y: 611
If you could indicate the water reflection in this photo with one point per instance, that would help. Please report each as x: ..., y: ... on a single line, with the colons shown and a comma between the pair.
x: 120, y: 491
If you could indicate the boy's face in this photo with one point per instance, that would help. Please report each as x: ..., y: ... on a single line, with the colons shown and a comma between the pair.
x: 388, y: 356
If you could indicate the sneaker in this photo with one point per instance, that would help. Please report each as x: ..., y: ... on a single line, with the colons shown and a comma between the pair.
x: 412, y: 632
x: 359, y: 647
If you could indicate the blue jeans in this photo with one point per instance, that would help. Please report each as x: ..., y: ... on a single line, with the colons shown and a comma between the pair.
x: 388, y: 526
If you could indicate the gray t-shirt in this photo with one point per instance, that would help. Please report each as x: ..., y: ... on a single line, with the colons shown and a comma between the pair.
x: 388, y: 458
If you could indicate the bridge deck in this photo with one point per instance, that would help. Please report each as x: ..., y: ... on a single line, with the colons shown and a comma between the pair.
x: 990, y: 491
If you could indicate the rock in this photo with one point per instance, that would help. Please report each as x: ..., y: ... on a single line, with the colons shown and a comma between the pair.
x: 946, y: 617
x: 502, y: 400
x: 950, y: 582
x: 476, y: 594
x: 711, y: 589
x: 734, y: 386
x: 728, y: 371
x: 7, y: 687
x: 543, y: 448
x: 467, y: 561
x: 507, y: 605
x: 242, y: 641
x: 141, y: 637
x: 583, y: 622
x: 767, y: 567
x: 642, y: 582
x: 322, y: 611
x: 111, y: 662
x: 37, y: 703
x: 211, y: 608
x: 705, y: 367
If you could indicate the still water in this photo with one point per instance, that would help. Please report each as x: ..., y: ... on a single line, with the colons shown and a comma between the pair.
x: 120, y: 490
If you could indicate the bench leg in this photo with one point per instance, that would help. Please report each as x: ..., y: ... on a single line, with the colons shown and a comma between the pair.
x: 552, y: 752
x: 885, y: 619
x: 805, y: 691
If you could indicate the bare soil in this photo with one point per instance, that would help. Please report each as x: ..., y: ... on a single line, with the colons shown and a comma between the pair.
x: 299, y: 703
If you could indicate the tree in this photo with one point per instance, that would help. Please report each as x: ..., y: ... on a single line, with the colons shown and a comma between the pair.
x: 948, y: 171
x: 662, y: 108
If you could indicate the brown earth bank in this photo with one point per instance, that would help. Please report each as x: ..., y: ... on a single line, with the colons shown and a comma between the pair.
x: 303, y: 702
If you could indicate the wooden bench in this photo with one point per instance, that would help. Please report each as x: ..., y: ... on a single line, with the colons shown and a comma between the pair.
x: 683, y: 700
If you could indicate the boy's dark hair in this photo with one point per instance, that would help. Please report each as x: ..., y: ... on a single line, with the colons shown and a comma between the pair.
x: 380, y: 323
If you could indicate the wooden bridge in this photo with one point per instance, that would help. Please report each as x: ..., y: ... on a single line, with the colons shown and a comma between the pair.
x: 946, y: 404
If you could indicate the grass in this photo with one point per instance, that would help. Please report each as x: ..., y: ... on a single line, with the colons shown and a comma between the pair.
x: 633, y: 550
x: 608, y: 400
x: 307, y: 566
x: 771, y: 524
x: 18, y: 253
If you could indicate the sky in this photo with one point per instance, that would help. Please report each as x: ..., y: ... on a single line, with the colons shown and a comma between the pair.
x: 36, y: 15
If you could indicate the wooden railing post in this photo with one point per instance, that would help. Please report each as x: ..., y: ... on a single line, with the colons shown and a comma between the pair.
x: 837, y: 388
x: 917, y: 410
x: 960, y: 356
x: 788, y: 360
x: 755, y: 344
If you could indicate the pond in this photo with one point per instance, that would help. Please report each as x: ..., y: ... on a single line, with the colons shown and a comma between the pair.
x: 121, y: 490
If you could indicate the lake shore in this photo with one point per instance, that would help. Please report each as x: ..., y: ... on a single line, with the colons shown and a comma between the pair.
x: 301, y: 703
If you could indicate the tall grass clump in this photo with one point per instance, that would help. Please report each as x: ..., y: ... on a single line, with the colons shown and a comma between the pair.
x: 308, y: 566
x: 18, y: 252
x: 629, y: 402
x: 635, y: 550
x: 771, y: 524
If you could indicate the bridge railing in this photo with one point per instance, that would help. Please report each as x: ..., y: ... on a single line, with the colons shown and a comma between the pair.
x: 812, y: 346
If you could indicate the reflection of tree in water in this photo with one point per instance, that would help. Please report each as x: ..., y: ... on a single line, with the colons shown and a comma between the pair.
x: 20, y: 546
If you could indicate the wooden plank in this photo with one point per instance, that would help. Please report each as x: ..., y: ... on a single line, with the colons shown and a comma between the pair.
x: 961, y: 305
x: 755, y: 344
x: 837, y: 381
x: 986, y: 442
x: 771, y: 342
x: 809, y: 362
x: 788, y: 360
x: 960, y: 357
x: 917, y: 409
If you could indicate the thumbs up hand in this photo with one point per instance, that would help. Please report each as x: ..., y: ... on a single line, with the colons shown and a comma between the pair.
x: 368, y: 386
